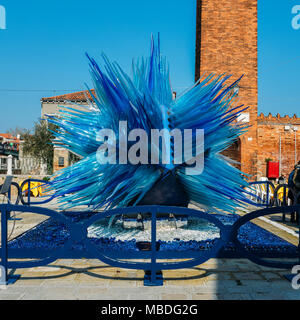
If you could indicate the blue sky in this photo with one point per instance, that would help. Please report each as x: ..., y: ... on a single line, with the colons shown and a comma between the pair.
x: 43, y: 47
x: 278, y: 58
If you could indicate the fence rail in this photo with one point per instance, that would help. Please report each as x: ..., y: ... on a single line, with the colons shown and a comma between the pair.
x: 29, y: 189
x: 78, y: 232
x: 264, y: 193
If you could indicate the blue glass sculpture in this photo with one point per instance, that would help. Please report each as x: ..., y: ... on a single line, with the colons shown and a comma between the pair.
x: 146, y: 101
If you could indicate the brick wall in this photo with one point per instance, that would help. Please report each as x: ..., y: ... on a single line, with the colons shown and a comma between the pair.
x: 226, y: 42
x: 270, y: 129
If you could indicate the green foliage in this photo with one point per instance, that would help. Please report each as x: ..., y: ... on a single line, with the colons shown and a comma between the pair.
x: 73, y: 158
x: 39, y: 144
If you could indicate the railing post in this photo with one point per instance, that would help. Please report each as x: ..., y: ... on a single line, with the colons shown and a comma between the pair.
x: 28, y: 194
x: 153, y: 246
x: 298, y: 213
x: 3, y: 279
x: 9, y: 201
x: 284, y: 202
x: 9, y: 194
x: 153, y: 277
x: 268, y: 192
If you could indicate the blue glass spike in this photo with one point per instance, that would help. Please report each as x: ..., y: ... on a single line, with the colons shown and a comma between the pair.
x: 145, y: 102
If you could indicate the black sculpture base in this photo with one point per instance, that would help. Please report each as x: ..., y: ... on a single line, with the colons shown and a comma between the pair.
x: 167, y: 191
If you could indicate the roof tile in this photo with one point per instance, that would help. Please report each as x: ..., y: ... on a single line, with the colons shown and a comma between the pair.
x: 74, y: 97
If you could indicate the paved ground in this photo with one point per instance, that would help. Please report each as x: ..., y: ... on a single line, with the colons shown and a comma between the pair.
x: 91, y: 279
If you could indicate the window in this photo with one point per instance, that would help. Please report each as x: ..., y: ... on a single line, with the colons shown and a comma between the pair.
x: 61, y: 161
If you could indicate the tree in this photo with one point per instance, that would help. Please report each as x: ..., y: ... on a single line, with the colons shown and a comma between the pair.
x: 39, y: 144
x: 18, y: 131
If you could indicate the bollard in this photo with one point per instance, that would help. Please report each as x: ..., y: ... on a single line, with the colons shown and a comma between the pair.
x: 9, y: 165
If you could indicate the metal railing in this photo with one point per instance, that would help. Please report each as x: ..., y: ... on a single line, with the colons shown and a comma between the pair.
x: 268, y: 189
x: 79, y: 232
x: 9, y: 193
x: 272, y: 195
x: 268, y: 199
x: 29, y: 189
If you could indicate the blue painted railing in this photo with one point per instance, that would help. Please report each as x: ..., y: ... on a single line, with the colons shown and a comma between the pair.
x: 29, y: 202
x: 275, y: 201
x: 9, y: 194
x: 259, y: 201
x: 78, y: 232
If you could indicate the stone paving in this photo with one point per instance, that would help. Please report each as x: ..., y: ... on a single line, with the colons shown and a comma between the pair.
x: 237, y: 279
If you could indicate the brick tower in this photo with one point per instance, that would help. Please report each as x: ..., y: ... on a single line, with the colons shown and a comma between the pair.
x: 226, y: 42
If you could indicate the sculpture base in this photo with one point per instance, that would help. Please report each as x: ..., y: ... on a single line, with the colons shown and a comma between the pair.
x: 167, y: 191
